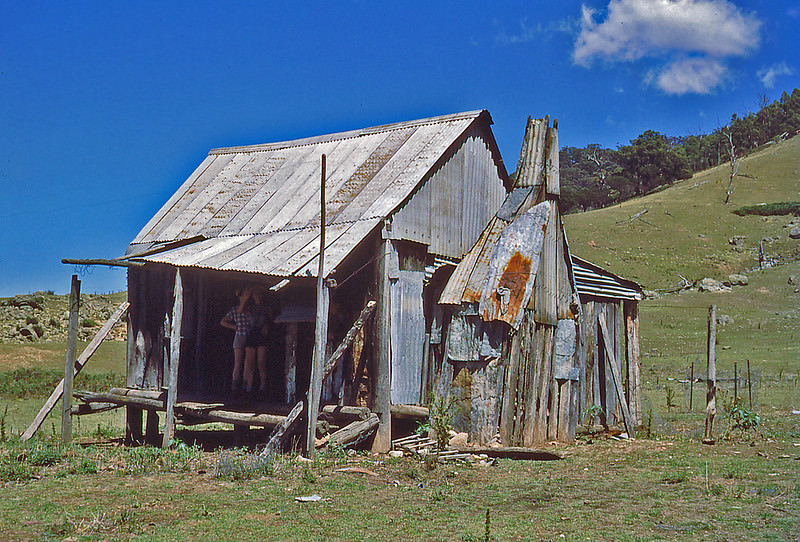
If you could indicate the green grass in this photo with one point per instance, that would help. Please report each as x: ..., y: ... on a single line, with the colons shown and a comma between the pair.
x: 635, y: 490
x: 687, y: 227
x: 109, y: 357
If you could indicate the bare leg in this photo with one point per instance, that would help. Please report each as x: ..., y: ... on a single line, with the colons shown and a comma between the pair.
x: 238, y: 363
x: 262, y: 367
x: 249, y: 368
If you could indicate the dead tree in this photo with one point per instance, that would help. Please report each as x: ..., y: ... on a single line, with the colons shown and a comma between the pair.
x: 735, y: 164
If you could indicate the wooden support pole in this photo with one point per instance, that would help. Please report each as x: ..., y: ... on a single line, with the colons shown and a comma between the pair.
x: 691, y: 386
x: 612, y: 364
x: 383, y: 398
x: 174, y: 360
x: 711, y: 376
x: 90, y: 349
x: 291, y: 362
x: 423, y: 387
x: 320, y: 330
x: 69, y: 365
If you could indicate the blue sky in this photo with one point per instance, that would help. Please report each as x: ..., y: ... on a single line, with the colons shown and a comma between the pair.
x: 107, y: 107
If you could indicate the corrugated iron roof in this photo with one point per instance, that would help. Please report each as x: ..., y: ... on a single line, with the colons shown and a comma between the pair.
x: 593, y: 280
x: 256, y: 208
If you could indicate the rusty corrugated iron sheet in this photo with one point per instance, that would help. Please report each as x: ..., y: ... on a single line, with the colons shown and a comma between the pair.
x: 255, y: 209
x: 512, y: 267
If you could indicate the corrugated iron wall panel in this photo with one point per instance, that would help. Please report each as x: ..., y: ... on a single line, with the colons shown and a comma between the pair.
x: 449, y: 212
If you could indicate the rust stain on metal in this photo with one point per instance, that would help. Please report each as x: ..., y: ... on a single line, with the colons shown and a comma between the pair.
x: 515, y: 277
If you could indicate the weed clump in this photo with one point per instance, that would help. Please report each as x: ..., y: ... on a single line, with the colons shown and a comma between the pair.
x: 147, y: 459
x: 241, y: 465
x: 440, y: 419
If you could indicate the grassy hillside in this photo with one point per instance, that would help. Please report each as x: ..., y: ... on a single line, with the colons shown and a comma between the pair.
x: 687, y: 227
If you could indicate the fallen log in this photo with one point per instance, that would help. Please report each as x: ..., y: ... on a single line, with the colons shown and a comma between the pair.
x: 92, y: 408
x: 352, y: 434
x: 511, y: 452
x: 410, y: 411
x: 343, y: 415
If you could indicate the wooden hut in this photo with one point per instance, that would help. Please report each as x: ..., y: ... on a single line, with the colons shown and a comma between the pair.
x: 400, y: 202
x: 515, y: 351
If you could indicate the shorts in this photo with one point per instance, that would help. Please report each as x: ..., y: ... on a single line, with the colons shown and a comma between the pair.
x: 239, y: 340
x: 255, y: 340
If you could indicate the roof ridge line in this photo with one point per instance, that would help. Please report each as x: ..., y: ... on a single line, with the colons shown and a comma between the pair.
x: 348, y: 134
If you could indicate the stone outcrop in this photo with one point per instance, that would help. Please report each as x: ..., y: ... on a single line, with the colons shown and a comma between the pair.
x: 44, y: 317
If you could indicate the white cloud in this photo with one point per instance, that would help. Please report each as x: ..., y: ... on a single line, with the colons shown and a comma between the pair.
x: 709, y: 30
x: 526, y: 33
x: 769, y: 74
x: 637, y: 28
x: 696, y: 75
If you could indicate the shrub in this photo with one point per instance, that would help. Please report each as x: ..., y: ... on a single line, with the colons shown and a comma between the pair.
x: 771, y: 209
x: 440, y: 419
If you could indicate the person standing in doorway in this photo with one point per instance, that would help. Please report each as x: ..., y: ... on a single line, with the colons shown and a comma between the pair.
x: 240, y: 319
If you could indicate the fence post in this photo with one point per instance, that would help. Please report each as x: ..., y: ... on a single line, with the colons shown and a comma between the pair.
x: 69, y: 365
x: 711, y: 378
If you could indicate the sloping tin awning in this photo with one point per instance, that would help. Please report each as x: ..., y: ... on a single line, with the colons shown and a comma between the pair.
x: 593, y: 280
x: 256, y: 209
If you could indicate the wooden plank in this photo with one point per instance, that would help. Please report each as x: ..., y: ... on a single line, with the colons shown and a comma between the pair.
x: 69, y: 364
x: 590, y: 327
x: 280, y: 430
x: 611, y: 363
x: 540, y: 427
x: 634, y: 373
x: 544, y: 299
x: 336, y: 356
x: 90, y: 349
x: 551, y: 164
x: 485, y: 401
x: 358, y: 374
x: 530, y: 368
x: 564, y: 411
x: 174, y: 360
x: 383, y: 438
